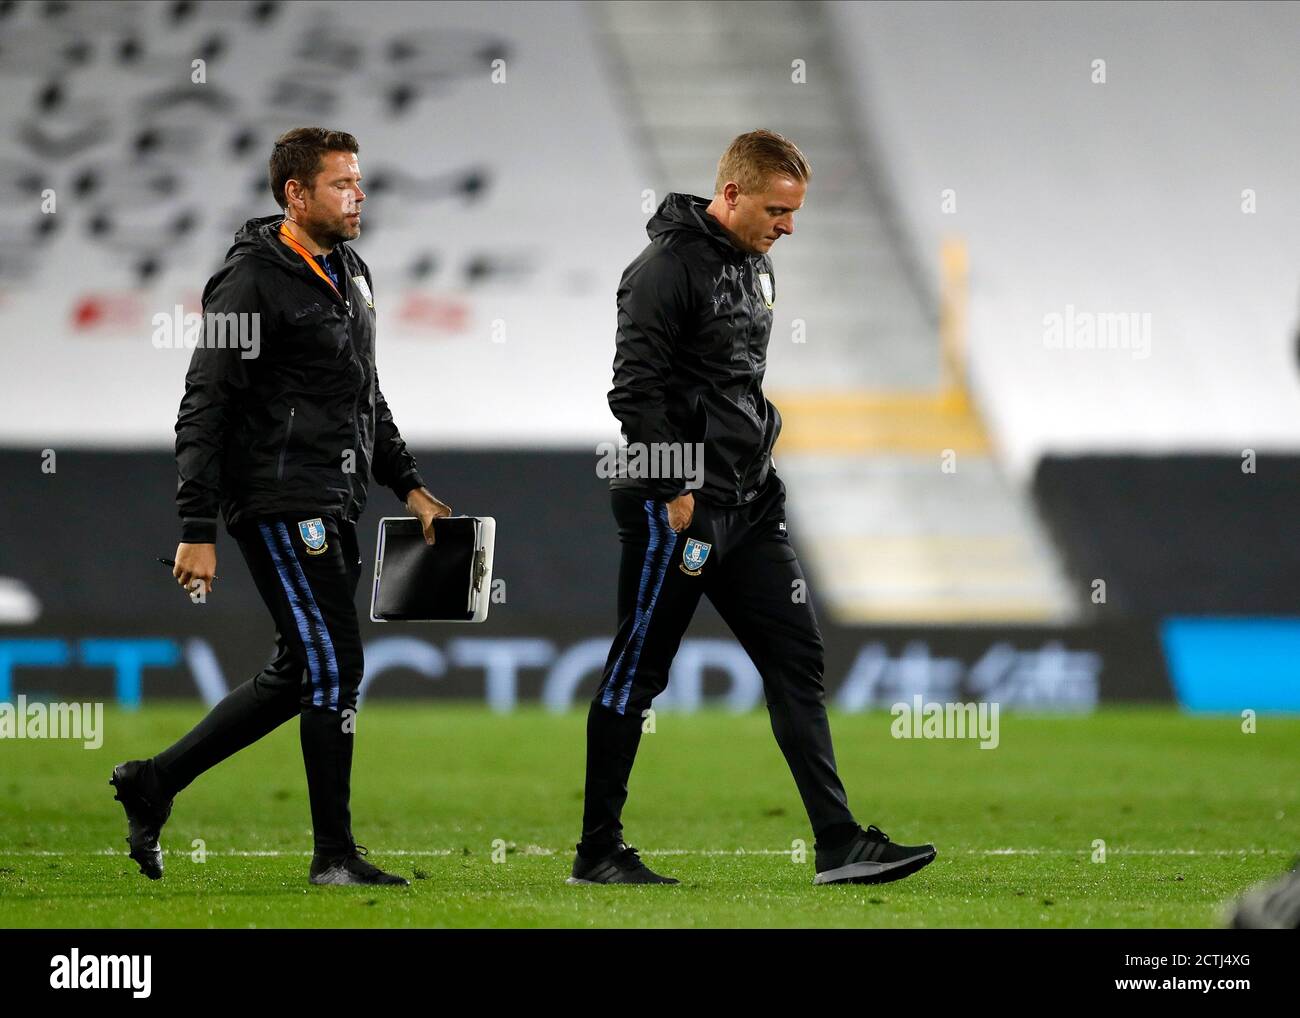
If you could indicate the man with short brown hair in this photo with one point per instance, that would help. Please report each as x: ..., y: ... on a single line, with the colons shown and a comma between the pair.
x: 694, y: 319
x: 281, y: 444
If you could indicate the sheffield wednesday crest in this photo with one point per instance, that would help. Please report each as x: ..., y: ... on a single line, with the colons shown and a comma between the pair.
x: 693, y: 556
x: 313, y: 536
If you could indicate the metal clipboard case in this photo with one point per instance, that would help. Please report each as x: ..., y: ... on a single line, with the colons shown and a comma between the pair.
x: 450, y: 581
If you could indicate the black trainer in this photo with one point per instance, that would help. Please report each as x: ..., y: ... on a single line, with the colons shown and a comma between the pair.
x: 350, y: 868
x: 621, y: 866
x: 1274, y: 905
x: 146, y: 813
x: 870, y: 858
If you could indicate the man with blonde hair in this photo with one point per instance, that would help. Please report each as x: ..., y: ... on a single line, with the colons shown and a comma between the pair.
x: 694, y: 319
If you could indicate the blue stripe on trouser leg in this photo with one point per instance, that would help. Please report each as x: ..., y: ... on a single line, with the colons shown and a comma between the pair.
x: 647, y: 570
x: 670, y: 543
x: 299, y: 614
x: 315, y: 618
x: 658, y: 553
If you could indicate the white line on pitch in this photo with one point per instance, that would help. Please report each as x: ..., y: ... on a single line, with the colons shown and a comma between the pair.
x: 536, y: 850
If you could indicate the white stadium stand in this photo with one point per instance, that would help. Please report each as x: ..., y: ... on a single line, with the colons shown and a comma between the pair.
x: 499, y: 216
x: 513, y: 152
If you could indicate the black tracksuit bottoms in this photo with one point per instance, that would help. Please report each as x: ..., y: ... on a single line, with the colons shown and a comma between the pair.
x: 307, y: 573
x: 742, y: 559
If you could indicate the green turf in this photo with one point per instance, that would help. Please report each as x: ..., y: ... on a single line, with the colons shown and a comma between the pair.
x: 1191, y: 809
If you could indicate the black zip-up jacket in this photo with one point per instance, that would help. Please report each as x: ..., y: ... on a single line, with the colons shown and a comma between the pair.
x: 694, y: 319
x: 299, y: 427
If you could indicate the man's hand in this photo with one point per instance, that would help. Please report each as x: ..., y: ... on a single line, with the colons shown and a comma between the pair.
x: 420, y: 502
x: 681, y: 511
x: 195, y: 562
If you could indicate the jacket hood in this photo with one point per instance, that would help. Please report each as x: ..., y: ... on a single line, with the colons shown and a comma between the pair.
x: 260, y: 238
x: 687, y: 212
x: 257, y: 237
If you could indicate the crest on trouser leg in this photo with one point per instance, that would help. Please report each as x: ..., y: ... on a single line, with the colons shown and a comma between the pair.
x: 313, y: 536
x: 693, y: 556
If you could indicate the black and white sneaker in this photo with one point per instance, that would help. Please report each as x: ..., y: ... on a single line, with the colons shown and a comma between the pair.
x: 146, y: 812
x: 870, y: 858
x: 350, y: 868
x: 1274, y: 905
x: 621, y: 866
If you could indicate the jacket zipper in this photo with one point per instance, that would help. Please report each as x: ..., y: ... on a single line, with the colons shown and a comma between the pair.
x: 356, y: 400
x: 749, y: 467
x: 356, y: 436
x: 279, y: 470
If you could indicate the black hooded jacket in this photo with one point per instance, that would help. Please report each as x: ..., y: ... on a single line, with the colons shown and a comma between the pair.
x: 300, y: 426
x: 694, y: 319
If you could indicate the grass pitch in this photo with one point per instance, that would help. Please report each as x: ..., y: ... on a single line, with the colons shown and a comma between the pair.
x: 1191, y: 811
